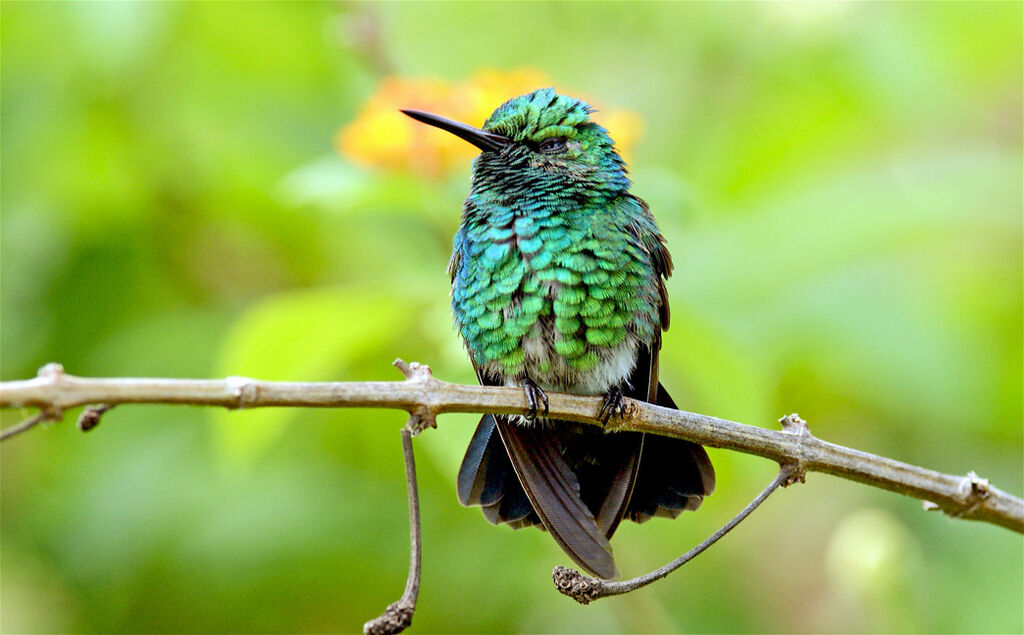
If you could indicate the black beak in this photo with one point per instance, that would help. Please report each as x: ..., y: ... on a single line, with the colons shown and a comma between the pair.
x: 486, y: 141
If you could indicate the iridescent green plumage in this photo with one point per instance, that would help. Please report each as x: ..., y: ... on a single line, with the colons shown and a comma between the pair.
x: 554, y: 239
x: 558, y: 284
x: 587, y: 268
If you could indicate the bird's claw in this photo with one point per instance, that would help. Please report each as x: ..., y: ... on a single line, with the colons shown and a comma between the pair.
x: 534, y: 398
x: 613, y: 405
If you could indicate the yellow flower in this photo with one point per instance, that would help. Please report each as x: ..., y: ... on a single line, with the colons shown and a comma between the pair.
x: 381, y: 137
x: 624, y: 126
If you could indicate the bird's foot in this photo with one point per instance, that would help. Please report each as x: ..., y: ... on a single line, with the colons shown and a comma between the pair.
x: 613, y: 406
x: 534, y: 398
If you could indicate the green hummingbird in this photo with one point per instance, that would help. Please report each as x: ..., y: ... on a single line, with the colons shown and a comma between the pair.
x: 558, y: 283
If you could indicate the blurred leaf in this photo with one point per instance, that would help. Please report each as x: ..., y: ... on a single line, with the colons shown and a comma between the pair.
x: 718, y: 376
x: 301, y: 336
x: 858, y: 268
x: 343, y: 188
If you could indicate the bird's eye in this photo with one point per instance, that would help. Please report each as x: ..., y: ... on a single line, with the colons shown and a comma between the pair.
x: 552, y: 145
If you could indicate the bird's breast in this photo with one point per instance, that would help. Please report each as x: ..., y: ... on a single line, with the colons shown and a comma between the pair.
x: 555, y: 298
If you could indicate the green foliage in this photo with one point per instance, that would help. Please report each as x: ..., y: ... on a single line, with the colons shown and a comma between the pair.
x: 298, y: 337
x: 839, y: 185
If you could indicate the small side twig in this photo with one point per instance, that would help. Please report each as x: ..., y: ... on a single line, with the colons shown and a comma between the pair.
x: 585, y: 589
x: 398, y: 615
x: 28, y: 424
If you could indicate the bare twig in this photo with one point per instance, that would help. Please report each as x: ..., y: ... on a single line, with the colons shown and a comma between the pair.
x: 27, y: 424
x: 960, y: 496
x: 398, y: 616
x: 585, y: 589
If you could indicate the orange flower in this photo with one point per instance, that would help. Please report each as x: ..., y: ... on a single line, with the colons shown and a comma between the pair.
x: 381, y: 137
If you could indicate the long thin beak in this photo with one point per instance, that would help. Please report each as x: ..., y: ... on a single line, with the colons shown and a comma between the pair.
x: 486, y: 141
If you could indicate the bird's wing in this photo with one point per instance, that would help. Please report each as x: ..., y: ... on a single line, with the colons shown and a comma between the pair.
x: 628, y: 447
x: 643, y: 381
x: 676, y: 475
x: 645, y: 229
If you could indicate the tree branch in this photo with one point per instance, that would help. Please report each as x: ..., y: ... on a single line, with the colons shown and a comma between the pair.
x: 585, y: 589
x: 398, y: 615
x: 425, y: 397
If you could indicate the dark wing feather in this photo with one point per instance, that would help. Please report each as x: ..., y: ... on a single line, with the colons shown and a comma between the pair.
x: 520, y: 477
x: 676, y: 475
x: 697, y: 452
x: 645, y: 228
x: 627, y: 447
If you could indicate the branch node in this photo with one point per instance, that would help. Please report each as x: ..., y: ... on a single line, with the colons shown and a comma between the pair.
x: 420, y: 420
x: 974, y: 490
x: 422, y: 417
x: 579, y: 587
x: 244, y: 390
x: 414, y: 371
x: 978, y: 487
x: 90, y: 417
x: 395, y: 619
x: 796, y: 471
x: 793, y: 424
x: 53, y: 370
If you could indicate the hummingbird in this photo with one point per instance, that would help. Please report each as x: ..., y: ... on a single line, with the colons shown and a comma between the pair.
x: 558, y: 284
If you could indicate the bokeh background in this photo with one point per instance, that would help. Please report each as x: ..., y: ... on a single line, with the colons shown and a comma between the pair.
x: 201, y: 190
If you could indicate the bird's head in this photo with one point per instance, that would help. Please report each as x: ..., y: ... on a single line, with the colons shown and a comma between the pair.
x: 540, y: 141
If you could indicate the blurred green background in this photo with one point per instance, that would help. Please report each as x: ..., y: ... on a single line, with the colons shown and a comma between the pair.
x: 840, y: 186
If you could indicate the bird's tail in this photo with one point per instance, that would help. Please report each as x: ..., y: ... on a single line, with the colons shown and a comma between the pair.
x: 487, y: 479
x: 554, y: 492
x: 577, y: 482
